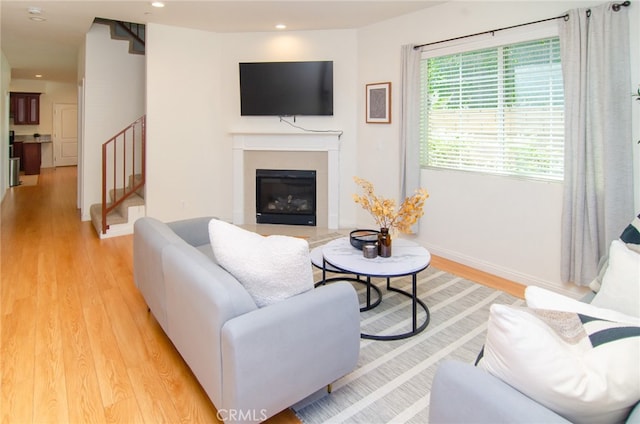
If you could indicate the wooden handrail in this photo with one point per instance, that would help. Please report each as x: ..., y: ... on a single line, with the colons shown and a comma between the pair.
x: 119, y: 159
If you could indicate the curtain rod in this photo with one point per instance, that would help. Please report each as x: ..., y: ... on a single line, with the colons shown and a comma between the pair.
x: 615, y: 7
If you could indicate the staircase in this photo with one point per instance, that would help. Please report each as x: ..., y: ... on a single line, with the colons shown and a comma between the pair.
x: 128, y: 31
x: 123, y: 164
x: 123, y: 179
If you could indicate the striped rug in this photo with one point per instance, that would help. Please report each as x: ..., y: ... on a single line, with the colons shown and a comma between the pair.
x: 391, y: 383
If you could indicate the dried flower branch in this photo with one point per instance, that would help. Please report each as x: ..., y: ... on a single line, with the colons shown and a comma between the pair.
x: 384, y: 210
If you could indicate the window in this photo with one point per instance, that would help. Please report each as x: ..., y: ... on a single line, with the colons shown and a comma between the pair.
x: 497, y: 110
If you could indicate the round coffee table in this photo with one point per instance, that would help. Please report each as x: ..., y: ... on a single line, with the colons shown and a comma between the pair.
x: 408, y: 258
x: 317, y: 259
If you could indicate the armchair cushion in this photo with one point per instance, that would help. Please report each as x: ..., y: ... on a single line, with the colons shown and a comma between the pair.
x: 270, y: 268
x: 462, y: 393
x: 583, y: 368
x: 630, y: 236
x: 621, y: 282
x: 539, y: 298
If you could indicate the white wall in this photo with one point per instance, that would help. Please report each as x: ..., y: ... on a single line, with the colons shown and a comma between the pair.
x: 113, y: 98
x: 191, y: 115
x: 506, y: 226
x: 183, y: 124
x: 5, y: 78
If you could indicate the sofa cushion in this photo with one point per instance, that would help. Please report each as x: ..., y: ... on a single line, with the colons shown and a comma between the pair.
x: 270, y: 268
x: 539, y: 298
x: 190, y: 230
x: 585, y: 369
x: 621, y: 281
x: 150, y: 238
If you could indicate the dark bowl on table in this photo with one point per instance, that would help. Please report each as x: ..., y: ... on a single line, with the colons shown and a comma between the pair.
x: 359, y: 238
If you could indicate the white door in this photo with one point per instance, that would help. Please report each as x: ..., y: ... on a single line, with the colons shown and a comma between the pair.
x: 65, y: 134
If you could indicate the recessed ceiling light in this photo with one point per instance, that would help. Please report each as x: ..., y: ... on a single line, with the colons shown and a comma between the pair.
x: 281, y: 26
x: 38, y: 75
x: 157, y: 4
x: 34, y: 10
x: 37, y: 18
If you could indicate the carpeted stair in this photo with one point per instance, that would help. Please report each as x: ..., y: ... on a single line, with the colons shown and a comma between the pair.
x: 120, y: 220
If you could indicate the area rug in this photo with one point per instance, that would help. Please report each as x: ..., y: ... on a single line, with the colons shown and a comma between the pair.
x: 392, y: 381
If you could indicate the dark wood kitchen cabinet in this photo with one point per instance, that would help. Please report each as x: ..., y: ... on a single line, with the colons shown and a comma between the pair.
x: 32, y: 157
x: 25, y: 108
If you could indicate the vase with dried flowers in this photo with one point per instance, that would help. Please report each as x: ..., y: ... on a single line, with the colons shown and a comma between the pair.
x: 387, y: 216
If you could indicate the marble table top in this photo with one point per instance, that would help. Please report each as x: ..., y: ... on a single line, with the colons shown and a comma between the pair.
x: 407, y: 257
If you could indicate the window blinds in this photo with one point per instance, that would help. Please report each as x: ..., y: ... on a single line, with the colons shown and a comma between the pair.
x: 497, y: 110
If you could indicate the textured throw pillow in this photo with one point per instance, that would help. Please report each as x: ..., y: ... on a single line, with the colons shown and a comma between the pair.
x: 270, y: 268
x: 620, y: 289
x: 631, y: 234
x: 583, y: 368
x: 539, y: 298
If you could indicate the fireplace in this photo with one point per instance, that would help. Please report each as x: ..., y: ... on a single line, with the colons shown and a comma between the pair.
x: 285, y: 197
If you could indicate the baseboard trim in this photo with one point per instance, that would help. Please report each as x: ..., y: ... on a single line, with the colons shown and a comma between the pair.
x: 570, y: 290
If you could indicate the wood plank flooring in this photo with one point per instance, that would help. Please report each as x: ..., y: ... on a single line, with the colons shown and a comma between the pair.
x: 76, y: 341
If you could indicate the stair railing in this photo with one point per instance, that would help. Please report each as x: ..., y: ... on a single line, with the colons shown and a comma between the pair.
x: 133, y: 32
x: 137, y: 31
x: 123, y: 156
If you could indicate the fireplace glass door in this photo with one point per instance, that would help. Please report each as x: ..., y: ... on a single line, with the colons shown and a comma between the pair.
x: 285, y: 197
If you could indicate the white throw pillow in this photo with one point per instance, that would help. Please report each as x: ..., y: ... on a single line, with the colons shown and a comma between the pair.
x: 585, y: 369
x: 539, y: 298
x: 270, y: 268
x: 620, y: 289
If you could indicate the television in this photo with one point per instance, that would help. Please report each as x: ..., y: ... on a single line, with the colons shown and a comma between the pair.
x: 286, y: 88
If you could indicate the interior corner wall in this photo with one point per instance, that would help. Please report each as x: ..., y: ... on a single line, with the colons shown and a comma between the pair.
x: 5, y: 79
x: 506, y: 226
x: 193, y: 108
x: 113, y: 98
x: 183, y: 124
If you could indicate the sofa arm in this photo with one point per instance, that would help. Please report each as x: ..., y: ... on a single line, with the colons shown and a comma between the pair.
x: 276, y: 356
x: 194, y: 231
x: 462, y: 393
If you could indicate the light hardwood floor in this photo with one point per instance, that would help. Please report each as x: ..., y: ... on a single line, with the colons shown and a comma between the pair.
x: 76, y: 341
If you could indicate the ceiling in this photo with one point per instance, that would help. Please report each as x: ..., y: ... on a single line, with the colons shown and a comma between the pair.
x: 50, y: 47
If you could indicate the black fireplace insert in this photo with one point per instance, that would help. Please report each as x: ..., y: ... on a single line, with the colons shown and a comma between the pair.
x: 285, y: 197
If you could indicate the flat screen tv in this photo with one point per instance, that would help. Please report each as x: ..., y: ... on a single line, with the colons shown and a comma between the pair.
x: 286, y: 88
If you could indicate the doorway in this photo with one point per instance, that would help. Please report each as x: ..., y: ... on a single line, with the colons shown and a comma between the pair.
x: 65, y: 135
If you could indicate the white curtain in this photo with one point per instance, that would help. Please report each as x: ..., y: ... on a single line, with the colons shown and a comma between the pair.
x: 409, y: 122
x: 598, y: 181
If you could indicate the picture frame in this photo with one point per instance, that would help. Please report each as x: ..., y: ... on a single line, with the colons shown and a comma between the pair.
x: 378, y: 103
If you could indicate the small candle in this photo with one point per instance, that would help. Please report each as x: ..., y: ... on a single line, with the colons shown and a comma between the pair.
x: 370, y: 251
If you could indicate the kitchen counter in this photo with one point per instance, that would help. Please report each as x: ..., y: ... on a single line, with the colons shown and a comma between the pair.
x: 31, y: 152
x: 44, y: 138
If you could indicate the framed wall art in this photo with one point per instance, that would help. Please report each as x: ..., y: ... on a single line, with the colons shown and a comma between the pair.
x: 379, y: 103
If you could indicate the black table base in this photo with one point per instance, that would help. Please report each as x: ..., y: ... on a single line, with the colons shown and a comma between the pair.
x: 415, y: 328
x: 368, y: 305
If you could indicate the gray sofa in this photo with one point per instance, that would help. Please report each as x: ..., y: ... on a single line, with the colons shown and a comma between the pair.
x: 252, y: 362
x: 464, y: 393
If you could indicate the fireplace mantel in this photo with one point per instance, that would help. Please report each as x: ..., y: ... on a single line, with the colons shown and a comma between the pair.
x: 287, y: 142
